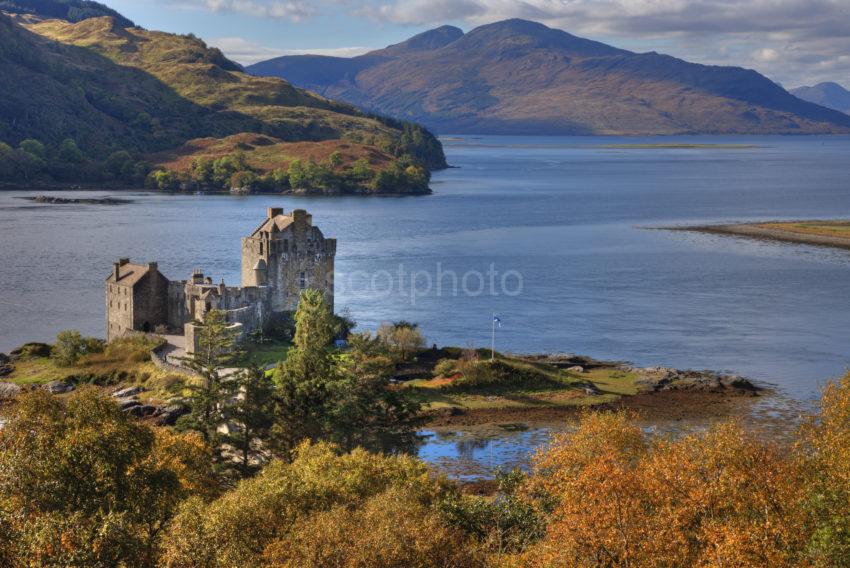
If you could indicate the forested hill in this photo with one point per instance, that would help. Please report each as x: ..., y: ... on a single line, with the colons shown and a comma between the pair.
x: 95, y: 88
x: 522, y: 77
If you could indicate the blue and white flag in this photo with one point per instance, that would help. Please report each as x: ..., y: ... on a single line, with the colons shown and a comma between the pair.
x: 497, y: 321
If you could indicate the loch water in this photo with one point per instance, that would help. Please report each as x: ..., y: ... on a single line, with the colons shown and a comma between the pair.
x: 557, y: 235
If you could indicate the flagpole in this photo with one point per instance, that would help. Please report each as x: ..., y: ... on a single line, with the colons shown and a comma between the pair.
x: 493, y: 341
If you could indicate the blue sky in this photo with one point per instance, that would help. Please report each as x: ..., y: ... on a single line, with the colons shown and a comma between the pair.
x: 794, y: 42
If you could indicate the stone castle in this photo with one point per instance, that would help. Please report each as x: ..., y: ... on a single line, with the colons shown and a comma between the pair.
x: 282, y: 257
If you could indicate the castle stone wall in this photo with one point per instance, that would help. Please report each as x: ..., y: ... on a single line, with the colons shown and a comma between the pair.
x: 150, y: 301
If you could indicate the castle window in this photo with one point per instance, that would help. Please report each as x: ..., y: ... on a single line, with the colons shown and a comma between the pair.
x: 303, y: 280
x: 261, y: 247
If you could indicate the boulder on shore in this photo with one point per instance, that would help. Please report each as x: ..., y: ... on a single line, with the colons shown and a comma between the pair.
x: 9, y: 390
x: 6, y: 366
x: 128, y: 392
x: 170, y: 414
x: 58, y: 387
x: 142, y: 410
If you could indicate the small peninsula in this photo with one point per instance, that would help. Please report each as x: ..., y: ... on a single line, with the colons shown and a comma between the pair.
x: 835, y: 234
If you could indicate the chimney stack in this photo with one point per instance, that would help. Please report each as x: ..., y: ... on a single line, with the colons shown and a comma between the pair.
x: 116, y: 270
x: 274, y: 212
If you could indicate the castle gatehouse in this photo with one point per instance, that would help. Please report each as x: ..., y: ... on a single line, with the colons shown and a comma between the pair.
x: 280, y: 258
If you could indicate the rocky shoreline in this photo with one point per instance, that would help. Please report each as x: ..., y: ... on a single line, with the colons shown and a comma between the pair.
x: 658, y: 379
x: 52, y: 200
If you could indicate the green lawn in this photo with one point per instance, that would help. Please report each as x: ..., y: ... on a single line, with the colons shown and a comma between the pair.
x: 264, y: 354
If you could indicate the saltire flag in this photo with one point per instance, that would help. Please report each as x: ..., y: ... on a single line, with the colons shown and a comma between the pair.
x: 497, y: 321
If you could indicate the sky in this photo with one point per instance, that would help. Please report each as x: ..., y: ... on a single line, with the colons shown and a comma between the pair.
x: 793, y: 42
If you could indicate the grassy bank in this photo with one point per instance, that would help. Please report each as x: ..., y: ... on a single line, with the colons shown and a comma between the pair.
x: 122, y: 362
x: 515, y: 383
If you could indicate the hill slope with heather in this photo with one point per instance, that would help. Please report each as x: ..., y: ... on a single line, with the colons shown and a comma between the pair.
x: 70, y: 10
x: 521, y: 77
x: 107, y: 89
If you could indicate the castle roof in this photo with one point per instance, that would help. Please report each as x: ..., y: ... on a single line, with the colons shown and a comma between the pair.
x: 276, y: 220
x: 278, y: 223
x: 128, y: 274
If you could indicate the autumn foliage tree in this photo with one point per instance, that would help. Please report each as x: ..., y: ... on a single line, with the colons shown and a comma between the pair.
x: 293, y: 514
x: 82, y: 484
x: 824, y: 451
x: 720, y: 498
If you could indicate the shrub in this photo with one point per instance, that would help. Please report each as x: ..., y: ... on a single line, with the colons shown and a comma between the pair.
x: 68, y: 349
x: 390, y: 529
x: 31, y: 350
x: 445, y: 368
x: 402, y: 338
x: 134, y: 349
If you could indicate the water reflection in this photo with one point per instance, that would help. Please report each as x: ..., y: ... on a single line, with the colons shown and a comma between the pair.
x: 476, y: 452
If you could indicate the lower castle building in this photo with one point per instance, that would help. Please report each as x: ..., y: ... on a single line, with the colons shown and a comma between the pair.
x: 283, y: 256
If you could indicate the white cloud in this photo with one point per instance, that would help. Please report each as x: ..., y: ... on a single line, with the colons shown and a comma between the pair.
x: 295, y: 10
x: 766, y: 54
x: 247, y: 52
x: 792, y: 41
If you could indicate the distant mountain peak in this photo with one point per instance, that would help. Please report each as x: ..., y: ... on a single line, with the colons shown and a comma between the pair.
x: 829, y: 94
x: 434, y: 39
x: 516, y: 32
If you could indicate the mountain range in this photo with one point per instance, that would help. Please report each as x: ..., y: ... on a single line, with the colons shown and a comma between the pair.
x: 170, y: 99
x: 522, y: 77
x: 830, y: 95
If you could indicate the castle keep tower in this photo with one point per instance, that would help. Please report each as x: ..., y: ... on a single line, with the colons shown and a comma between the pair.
x: 288, y: 254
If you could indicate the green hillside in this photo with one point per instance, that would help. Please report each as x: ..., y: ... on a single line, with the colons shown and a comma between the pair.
x: 109, y: 89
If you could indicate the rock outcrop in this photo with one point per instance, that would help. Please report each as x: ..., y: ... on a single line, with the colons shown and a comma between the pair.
x: 663, y: 379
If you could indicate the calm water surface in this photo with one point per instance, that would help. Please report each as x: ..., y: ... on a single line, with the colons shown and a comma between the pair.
x: 568, y: 216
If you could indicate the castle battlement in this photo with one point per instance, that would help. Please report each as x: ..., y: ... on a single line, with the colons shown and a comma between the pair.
x: 284, y: 255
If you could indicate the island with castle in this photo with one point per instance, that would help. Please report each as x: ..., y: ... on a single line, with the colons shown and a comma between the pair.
x: 284, y: 255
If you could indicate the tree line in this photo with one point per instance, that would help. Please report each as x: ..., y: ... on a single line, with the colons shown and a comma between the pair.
x: 34, y: 162
x: 234, y: 173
